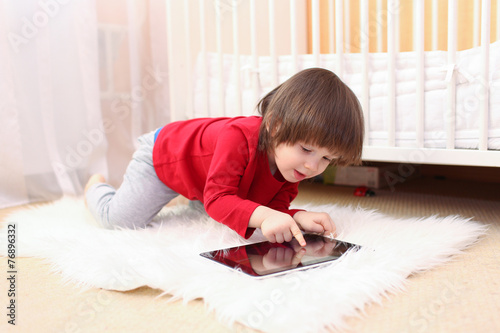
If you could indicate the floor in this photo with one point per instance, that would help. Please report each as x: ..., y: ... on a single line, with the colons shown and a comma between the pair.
x: 461, y: 296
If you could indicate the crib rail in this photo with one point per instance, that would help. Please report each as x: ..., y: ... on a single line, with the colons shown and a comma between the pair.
x: 279, y: 28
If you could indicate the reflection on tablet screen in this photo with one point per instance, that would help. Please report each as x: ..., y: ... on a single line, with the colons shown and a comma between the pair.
x: 266, y: 258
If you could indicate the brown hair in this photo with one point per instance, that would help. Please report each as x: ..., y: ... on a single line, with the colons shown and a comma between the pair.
x: 315, y: 107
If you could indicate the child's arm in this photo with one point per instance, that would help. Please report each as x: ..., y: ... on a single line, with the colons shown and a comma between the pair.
x: 276, y: 226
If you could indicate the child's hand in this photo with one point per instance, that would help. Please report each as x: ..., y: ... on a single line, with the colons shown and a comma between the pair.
x: 280, y: 227
x: 315, y: 222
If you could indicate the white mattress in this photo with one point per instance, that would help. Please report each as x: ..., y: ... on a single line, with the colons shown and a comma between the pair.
x: 436, y: 70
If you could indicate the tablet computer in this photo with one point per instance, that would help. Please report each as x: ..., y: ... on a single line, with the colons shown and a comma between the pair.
x: 269, y: 259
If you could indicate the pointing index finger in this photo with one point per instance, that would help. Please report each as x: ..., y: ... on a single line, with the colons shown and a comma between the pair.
x: 298, y: 236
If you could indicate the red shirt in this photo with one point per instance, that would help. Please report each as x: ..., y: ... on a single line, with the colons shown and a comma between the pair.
x: 216, y: 161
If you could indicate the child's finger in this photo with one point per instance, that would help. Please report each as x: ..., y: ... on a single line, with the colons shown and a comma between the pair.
x: 334, y: 230
x: 328, y: 225
x: 298, y: 235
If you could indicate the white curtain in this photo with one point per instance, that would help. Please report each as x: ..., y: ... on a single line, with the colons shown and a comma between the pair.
x: 80, y: 80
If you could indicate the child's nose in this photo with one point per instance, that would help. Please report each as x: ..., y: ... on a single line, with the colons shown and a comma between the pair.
x: 312, y: 165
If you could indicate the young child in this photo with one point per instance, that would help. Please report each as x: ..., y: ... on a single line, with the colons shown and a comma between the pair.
x: 245, y: 170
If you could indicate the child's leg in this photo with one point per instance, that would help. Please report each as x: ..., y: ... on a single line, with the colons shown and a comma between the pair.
x: 140, y: 197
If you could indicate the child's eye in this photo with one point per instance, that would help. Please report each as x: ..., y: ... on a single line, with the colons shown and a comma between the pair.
x: 306, y: 149
x: 328, y: 159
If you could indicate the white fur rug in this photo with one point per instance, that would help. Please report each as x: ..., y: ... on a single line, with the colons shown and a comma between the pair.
x: 166, y: 256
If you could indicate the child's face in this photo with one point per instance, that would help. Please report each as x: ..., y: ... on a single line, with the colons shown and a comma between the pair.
x: 300, y: 161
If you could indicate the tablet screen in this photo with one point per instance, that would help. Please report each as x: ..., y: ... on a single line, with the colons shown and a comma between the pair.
x: 266, y: 258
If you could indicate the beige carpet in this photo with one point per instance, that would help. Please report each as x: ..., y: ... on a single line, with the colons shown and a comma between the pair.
x: 462, y: 296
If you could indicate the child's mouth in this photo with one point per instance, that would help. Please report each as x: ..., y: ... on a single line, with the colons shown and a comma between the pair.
x: 298, y: 175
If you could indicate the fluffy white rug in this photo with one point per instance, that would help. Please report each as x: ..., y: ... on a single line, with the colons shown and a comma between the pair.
x: 166, y: 256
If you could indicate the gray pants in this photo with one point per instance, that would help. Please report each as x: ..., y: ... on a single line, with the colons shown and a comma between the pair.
x: 140, y: 197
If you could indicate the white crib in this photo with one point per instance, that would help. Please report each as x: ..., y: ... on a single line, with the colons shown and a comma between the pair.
x: 425, y: 104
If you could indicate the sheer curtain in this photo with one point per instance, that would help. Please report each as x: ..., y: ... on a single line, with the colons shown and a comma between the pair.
x: 80, y: 80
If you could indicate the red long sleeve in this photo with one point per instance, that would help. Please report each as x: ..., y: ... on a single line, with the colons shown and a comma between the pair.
x: 216, y: 161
